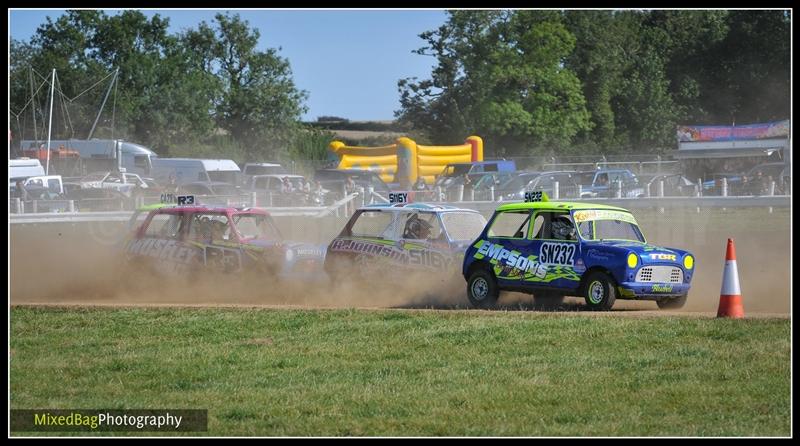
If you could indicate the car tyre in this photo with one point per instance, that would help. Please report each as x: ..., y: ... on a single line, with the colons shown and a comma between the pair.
x: 482, y: 289
x: 599, y: 291
x: 673, y: 303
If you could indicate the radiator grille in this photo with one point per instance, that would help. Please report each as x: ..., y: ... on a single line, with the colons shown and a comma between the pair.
x: 660, y: 274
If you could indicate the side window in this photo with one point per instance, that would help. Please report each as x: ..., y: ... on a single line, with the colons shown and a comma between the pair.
x: 140, y: 161
x: 421, y: 226
x: 53, y: 185
x: 554, y: 226
x: 372, y: 224
x: 586, y: 229
x: 164, y: 226
x: 210, y: 228
x: 513, y: 224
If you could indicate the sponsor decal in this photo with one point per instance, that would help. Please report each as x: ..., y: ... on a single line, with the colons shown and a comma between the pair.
x: 599, y: 255
x: 602, y: 214
x: 662, y: 288
x: 660, y: 256
x: 169, y: 255
x: 557, y: 253
x: 308, y: 252
x: 412, y: 257
x: 512, y: 260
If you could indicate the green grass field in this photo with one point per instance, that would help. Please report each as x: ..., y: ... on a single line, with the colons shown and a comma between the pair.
x: 272, y: 372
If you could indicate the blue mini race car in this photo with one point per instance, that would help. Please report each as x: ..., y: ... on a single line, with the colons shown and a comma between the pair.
x: 553, y: 249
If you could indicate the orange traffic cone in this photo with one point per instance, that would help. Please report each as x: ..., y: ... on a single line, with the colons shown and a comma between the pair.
x: 730, y: 297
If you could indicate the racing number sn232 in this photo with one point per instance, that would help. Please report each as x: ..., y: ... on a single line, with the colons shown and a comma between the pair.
x: 557, y: 253
x: 533, y: 196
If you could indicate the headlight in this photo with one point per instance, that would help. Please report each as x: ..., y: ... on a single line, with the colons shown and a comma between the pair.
x: 688, y: 262
x: 633, y: 260
x: 289, y: 255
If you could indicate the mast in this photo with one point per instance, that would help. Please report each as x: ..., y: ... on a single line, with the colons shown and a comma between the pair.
x: 50, y: 125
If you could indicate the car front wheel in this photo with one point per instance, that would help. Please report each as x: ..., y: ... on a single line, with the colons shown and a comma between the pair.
x: 599, y: 291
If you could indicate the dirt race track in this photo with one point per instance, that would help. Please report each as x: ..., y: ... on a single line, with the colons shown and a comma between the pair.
x: 65, y: 265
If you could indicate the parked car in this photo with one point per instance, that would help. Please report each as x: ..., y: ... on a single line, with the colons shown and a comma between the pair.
x: 189, y: 170
x: 252, y: 169
x: 98, y: 199
x: 128, y: 184
x: 270, y: 189
x: 334, y: 180
x: 567, y: 184
x: 208, y: 188
x: 675, y: 185
x: 453, y: 174
x: 53, y: 183
x: 753, y: 182
x: 601, y: 183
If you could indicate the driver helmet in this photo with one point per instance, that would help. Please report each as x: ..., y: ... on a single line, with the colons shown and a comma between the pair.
x: 218, y: 229
x: 418, y: 228
x: 563, y: 229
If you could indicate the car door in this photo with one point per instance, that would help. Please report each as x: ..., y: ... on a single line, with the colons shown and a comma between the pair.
x: 555, y: 253
x: 508, y: 247
x: 424, y: 240
x: 161, y: 243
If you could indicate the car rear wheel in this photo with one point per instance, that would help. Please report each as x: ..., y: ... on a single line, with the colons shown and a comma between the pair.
x: 599, y: 292
x: 482, y: 289
x: 547, y: 301
x: 672, y: 303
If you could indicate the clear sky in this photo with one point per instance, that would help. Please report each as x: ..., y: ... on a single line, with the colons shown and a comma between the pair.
x: 349, y: 61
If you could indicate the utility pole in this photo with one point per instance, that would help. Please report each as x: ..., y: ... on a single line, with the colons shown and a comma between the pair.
x: 50, y: 125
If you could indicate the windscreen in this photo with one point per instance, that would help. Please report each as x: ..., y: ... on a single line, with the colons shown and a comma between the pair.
x: 463, y: 225
x: 256, y: 226
x: 607, y: 224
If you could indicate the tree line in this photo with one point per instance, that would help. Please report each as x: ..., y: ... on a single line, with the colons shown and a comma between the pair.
x: 591, y: 82
x: 528, y: 82
x: 204, y: 89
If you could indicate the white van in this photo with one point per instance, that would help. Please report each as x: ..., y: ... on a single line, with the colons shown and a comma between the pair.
x: 24, y: 168
x: 190, y: 170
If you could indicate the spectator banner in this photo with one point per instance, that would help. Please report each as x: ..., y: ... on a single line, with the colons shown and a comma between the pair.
x: 779, y: 129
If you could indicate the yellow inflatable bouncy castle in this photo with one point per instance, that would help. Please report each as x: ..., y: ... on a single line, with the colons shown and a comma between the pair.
x: 406, y: 160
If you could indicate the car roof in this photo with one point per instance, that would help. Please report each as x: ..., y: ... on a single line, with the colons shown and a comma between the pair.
x: 411, y: 207
x: 277, y: 175
x: 208, y: 183
x: 210, y: 209
x: 557, y: 205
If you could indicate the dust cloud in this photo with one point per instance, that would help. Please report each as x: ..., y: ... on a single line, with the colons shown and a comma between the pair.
x: 82, y: 264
